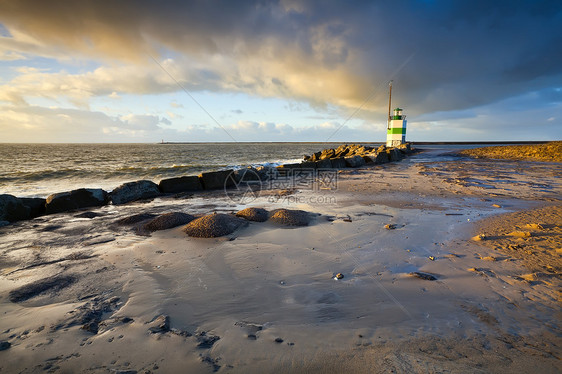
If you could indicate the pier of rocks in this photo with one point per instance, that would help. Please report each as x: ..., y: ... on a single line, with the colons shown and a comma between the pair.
x: 14, y: 208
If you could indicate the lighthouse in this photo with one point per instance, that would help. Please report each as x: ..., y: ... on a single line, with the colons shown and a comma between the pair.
x: 396, y: 132
x: 396, y: 129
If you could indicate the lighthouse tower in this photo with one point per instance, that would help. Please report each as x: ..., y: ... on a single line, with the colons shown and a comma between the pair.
x: 396, y: 132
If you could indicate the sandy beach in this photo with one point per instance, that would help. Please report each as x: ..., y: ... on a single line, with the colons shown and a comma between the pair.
x: 449, y: 265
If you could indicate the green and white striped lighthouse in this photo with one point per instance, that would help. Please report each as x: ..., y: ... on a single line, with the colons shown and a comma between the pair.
x: 396, y: 132
x: 396, y: 129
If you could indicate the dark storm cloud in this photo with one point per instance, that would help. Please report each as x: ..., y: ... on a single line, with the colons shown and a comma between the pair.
x: 465, y: 53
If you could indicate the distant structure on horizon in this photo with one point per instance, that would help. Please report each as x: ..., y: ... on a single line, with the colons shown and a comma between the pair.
x: 396, y: 129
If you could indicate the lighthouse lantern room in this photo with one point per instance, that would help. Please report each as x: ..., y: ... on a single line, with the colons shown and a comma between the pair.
x: 396, y: 129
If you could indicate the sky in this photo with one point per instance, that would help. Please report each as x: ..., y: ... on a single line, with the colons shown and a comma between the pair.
x: 197, y: 71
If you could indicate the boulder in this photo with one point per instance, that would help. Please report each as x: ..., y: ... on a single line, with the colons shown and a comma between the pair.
x: 289, y: 166
x: 338, y: 163
x: 395, y: 155
x: 290, y: 217
x: 12, y: 209
x: 368, y: 159
x: 168, y: 220
x: 326, y: 154
x: 324, y: 164
x: 354, y: 161
x: 253, y: 214
x: 217, y: 179
x: 213, y: 225
x: 382, y: 158
x: 308, y: 165
x: 382, y: 148
x: 405, y: 148
x: 248, y: 174
x: 341, y: 151
x: 180, y: 184
x: 267, y: 172
x: 75, y: 199
x: 132, y: 191
x: 36, y: 206
x: 315, y: 156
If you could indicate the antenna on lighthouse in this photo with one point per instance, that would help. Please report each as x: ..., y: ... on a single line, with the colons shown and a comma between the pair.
x: 389, y: 104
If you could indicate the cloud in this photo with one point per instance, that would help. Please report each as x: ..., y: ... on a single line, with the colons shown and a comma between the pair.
x: 465, y: 53
x: 60, y: 125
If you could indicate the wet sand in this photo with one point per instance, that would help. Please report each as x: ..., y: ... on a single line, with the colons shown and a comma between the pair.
x: 86, y: 294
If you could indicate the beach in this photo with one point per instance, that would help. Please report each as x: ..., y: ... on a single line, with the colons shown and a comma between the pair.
x: 447, y: 264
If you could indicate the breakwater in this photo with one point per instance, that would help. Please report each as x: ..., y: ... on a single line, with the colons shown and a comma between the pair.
x: 14, y: 208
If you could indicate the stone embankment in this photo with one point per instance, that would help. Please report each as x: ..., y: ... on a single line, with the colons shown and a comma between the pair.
x: 14, y: 209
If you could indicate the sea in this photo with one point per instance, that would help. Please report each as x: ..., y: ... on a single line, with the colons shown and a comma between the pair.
x: 38, y: 170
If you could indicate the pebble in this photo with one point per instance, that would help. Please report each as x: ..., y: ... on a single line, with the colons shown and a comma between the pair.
x: 4, y: 345
x: 278, y: 340
x: 479, y: 237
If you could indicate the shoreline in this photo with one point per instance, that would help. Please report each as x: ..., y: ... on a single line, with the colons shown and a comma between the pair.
x: 229, y: 300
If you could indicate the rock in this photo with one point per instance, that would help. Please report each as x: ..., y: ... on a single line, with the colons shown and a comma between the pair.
x: 326, y: 154
x: 341, y: 151
x: 180, y: 184
x: 75, y: 199
x: 424, y: 276
x: 132, y: 191
x: 4, y: 345
x: 168, y: 221
x: 338, y: 163
x: 278, y: 340
x: 248, y: 174
x: 395, y: 155
x: 253, y: 214
x: 324, y: 164
x: 136, y: 218
x: 354, y: 161
x: 381, y: 149
x: 12, y: 209
x: 479, y: 237
x: 213, y: 225
x: 382, y: 158
x: 290, y: 217
x: 315, y: 156
x: 215, y: 180
x: 406, y: 148
x: 160, y: 324
x: 36, y: 206
x: 267, y: 172
x: 4, y: 223
x: 289, y: 166
x: 308, y: 165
